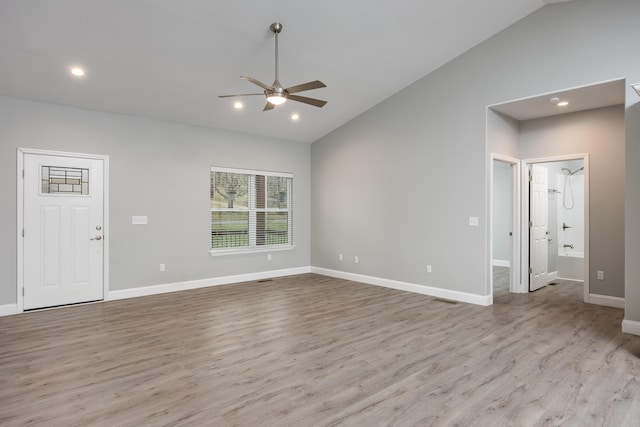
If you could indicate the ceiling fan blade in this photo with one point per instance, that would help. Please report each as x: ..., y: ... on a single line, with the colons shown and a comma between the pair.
x: 268, y: 107
x: 256, y: 82
x: 240, y: 94
x: 306, y: 86
x: 310, y: 101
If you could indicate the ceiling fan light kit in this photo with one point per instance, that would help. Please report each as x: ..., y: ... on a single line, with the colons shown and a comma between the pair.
x: 278, y: 95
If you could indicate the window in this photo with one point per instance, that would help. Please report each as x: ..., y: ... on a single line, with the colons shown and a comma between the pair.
x: 250, y: 210
x: 64, y: 180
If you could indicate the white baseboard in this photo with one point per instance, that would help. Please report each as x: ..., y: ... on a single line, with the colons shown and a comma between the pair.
x: 502, y: 263
x: 631, y: 327
x: 404, y: 286
x: 203, y: 283
x: 8, y: 309
x: 606, y: 300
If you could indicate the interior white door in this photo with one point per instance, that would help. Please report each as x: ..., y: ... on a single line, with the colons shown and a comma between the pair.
x: 63, y: 257
x: 539, y: 227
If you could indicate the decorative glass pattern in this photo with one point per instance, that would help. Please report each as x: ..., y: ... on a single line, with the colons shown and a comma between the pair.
x: 64, y: 180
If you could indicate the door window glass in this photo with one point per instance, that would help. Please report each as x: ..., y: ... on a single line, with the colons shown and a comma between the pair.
x: 64, y: 180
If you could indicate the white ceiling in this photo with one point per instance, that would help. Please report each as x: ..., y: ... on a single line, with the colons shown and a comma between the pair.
x: 169, y: 59
x: 598, y: 95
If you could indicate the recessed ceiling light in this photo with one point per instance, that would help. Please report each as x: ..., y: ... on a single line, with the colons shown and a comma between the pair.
x: 238, y: 105
x: 563, y: 103
x: 555, y: 99
x: 295, y: 117
x: 77, y: 71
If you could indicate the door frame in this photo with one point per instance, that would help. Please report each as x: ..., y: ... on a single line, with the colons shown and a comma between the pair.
x: 514, y: 274
x: 526, y: 163
x: 21, y: 152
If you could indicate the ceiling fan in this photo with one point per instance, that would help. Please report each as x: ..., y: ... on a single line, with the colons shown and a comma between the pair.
x: 276, y: 94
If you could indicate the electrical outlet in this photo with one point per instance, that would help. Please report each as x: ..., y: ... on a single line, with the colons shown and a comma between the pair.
x: 340, y: 257
x: 473, y: 221
x: 356, y: 259
x: 428, y: 268
x: 162, y: 267
x: 600, y: 275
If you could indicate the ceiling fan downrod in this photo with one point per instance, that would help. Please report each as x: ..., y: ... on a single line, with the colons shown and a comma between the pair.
x: 276, y: 27
x: 277, y: 95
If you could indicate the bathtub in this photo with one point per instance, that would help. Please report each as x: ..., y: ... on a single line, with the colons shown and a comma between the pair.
x: 571, y: 265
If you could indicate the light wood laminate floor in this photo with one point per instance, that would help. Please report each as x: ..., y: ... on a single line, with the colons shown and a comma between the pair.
x: 310, y: 350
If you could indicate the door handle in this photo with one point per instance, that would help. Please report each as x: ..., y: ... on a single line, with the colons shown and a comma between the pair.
x: 97, y: 238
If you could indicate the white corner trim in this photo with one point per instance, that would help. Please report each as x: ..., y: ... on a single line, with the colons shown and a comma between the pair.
x: 606, y: 300
x: 409, y: 287
x: 501, y: 263
x: 631, y: 327
x: 202, y: 283
x: 8, y: 309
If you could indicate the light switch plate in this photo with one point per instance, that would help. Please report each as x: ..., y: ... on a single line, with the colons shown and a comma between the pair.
x: 139, y: 220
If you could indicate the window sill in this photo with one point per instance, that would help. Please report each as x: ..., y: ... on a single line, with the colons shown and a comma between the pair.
x: 222, y: 252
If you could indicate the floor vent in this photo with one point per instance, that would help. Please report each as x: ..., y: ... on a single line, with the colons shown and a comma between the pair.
x: 265, y: 280
x: 446, y: 301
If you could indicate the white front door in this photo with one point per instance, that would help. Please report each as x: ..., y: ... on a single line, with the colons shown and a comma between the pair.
x: 63, y: 252
x: 538, y: 230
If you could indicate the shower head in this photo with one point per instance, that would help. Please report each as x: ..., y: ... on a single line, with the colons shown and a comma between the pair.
x: 574, y: 172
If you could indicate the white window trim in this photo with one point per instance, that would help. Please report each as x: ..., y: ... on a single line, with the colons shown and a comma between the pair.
x: 251, y: 249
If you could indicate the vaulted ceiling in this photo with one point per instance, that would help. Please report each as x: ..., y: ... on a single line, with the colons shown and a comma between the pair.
x: 169, y: 60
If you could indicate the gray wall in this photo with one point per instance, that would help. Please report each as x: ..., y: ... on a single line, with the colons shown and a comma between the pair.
x: 157, y: 169
x: 601, y: 134
x: 501, y: 211
x: 397, y: 184
x: 632, y: 211
x: 503, y: 134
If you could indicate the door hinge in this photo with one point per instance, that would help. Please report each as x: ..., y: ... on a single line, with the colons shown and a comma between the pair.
x: 530, y: 224
x: 23, y: 173
x: 530, y: 270
x: 22, y: 291
x: 23, y: 232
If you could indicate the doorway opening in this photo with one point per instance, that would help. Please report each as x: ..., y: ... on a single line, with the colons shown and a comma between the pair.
x: 556, y: 209
x: 535, y: 127
x: 505, y: 225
